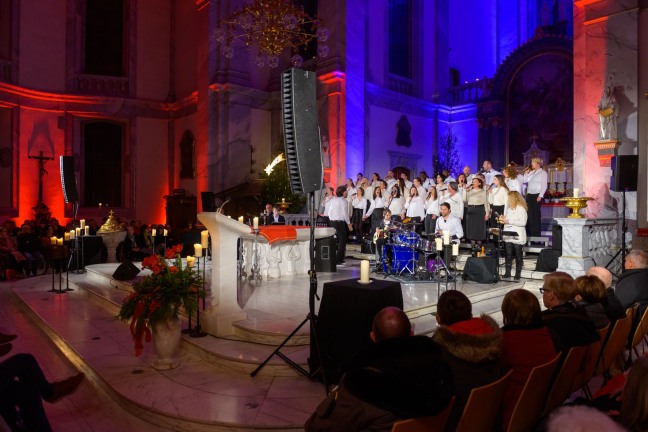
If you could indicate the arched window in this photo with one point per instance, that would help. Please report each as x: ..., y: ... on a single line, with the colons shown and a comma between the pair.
x: 104, y: 38
x: 103, y: 156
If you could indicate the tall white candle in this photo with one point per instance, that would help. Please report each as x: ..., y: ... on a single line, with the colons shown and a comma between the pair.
x: 204, y: 238
x: 190, y: 261
x: 72, y: 234
x: 78, y: 231
x: 53, y: 240
x: 255, y: 222
x: 446, y: 237
x: 86, y: 230
x: 59, y: 241
x: 153, y: 232
x: 241, y: 219
x: 82, y: 223
x: 455, y: 249
x: 576, y: 192
x: 165, y: 233
x: 198, y: 250
x: 66, y: 236
x: 439, y: 244
x: 364, y: 271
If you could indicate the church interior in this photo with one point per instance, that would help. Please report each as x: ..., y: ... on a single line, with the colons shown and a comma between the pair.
x: 168, y: 114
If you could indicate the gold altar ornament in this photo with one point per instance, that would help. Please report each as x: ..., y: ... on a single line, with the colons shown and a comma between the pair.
x: 111, y: 224
x: 576, y: 204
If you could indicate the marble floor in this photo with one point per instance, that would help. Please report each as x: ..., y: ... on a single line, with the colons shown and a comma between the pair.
x: 212, y: 388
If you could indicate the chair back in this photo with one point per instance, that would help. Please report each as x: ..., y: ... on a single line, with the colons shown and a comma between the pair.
x: 641, y: 331
x: 531, y: 403
x: 566, y: 377
x: 588, y: 367
x: 616, y: 343
x: 483, y: 406
x: 430, y: 423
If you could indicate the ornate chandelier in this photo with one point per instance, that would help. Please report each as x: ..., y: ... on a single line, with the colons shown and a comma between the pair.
x: 271, y: 26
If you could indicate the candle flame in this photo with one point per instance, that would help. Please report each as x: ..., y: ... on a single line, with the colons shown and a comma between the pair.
x: 274, y: 163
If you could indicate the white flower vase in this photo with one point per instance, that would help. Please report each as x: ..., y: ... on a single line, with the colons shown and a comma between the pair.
x: 166, y: 339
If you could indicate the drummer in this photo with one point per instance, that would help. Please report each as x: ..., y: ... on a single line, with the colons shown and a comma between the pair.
x: 447, y: 221
x: 382, y: 234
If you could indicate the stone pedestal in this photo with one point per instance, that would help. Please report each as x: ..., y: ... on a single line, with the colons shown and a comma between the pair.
x: 585, y: 243
x: 111, y: 240
x: 606, y: 149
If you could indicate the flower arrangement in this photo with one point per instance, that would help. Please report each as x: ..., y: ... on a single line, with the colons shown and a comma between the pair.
x: 554, y: 194
x: 157, y: 298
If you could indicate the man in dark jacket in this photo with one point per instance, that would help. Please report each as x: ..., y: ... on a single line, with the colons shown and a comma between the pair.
x: 400, y: 376
x: 567, y: 322
x: 632, y: 285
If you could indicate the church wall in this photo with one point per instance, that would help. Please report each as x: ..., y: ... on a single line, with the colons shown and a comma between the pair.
x: 179, y: 127
x: 464, y: 126
x: 151, y: 174
x: 42, y: 45
x: 185, y: 50
x: 153, y: 45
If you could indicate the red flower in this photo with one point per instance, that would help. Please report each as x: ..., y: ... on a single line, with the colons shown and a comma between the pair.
x: 174, y: 269
x: 177, y: 249
x: 169, y: 254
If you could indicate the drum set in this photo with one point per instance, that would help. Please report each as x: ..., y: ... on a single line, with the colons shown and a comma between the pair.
x: 408, y: 255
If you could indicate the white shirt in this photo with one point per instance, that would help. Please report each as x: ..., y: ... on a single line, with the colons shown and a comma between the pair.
x: 339, y: 210
x: 498, y: 196
x: 432, y: 207
x: 390, y: 182
x: 456, y: 204
x: 489, y: 176
x: 514, y: 185
x: 377, y: 204
x: 427, y: 183
x: 421, y: 191
x: 517, y: 219
x: 449, y: 179
x: 453, y: 224
x: 469, y: 178
x: 360, y: 204
x: 396, y: 206
x: 408, y: 184
x: 326, y: 202
x: 536, y: 181
x: 415, y: 207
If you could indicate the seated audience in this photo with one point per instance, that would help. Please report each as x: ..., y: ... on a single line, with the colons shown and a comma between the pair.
x: 400, y: 376
x: 611, y: 303
x: 23, y: 387
x: 567, y: 322
x: 29, y: 246
x: 590, y: 293
x: 471, y: 347
x: 12, y: 257
x: 526, y: 344
x: 632, y: 285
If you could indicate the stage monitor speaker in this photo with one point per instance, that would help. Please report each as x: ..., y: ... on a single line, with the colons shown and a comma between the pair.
x: 301, y: 133
x: 208, y: 201
x: 325, y: 255
x: 624, y: 173
x: 126, y: 271
x: 68, y: 179
x: 481, y: 269
x: 548, y: 260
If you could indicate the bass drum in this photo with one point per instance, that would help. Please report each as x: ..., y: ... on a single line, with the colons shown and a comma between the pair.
x: 396, y: 257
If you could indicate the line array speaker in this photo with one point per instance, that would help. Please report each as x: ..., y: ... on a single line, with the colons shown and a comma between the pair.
x: 624, y: 173
x: 68, y: 179
x: 301, y: 132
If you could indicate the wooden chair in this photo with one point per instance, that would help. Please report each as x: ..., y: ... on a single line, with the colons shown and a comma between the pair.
x: 590, y: 361
x: 565, y: 379
x: 483, y: 406
x: 430, y: 423
x: 616, y: 343
x: 531, y: 404
x: 639, y: 335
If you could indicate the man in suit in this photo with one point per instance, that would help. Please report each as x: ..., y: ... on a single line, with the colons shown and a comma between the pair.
x: 276, y: 218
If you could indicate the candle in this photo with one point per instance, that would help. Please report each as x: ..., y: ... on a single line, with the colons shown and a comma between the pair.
x: 87, y: 230
x: 190, y: 261
x: 576, y: 191
x: 165, y: 233
x: 53, y: 240
x: 551, y: 176
x: 439, y: 244
x: 82, y: 223
x: 455, y: 249
x: 255, y: 222
x: 66, y: 236
x: 241, y: 219
x: 446, y: 237
x: 77, y: 230
x: 283, y: 200
x: 204, y: 238
x: 72, y: 234
x: 364, y: 271
x: 198, y: 250
x: 153, y: 232
x: 99, y: 205
x: 59, y: 241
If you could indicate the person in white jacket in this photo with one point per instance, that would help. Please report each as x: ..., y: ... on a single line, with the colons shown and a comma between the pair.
x: 415, y: 208
x: 514, y: 234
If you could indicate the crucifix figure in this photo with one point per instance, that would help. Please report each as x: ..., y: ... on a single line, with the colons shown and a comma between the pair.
x: 41, y: 172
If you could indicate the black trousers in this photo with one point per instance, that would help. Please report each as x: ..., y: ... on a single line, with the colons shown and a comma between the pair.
x: 341, y: 230
x: 534, y: 217
x: 513, y: 250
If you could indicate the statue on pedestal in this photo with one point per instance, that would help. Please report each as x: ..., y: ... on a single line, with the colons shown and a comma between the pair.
x: 608, y: 111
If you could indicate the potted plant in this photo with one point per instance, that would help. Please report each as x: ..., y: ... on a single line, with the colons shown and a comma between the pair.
x: 153, y: 307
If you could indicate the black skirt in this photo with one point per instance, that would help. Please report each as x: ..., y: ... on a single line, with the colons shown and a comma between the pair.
x: 475, y: 223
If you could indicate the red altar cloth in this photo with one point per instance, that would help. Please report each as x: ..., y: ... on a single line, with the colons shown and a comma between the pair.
x: 277, y: 233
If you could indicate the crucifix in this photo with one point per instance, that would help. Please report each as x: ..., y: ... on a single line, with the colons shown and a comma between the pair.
x: 41, y: 172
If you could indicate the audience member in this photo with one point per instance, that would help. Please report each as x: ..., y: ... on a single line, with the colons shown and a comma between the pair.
x: 526, y: 344
x: 471, y: 347
x: 29, y: 246
x: 611, y: 303
x: 634, y: 406
x: 632, y: 285
x: 590, y: 293
x: 567, y: 322
x: 400, y: 376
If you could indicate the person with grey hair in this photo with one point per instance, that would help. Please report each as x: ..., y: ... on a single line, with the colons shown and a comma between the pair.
x: 633, y: 283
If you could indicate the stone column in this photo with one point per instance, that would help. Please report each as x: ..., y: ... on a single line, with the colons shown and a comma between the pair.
x: 585, y: 243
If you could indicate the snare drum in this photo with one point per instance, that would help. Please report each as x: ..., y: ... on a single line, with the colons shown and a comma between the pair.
x: 407, y: 239
x: 395, y: 257
x: 426, y: 246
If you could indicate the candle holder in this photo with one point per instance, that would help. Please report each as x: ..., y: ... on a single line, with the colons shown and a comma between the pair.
x: 255, y: 272
x: 575, y: 204
x: 197, y: 331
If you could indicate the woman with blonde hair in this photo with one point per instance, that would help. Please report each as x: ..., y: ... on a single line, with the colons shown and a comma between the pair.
x: 514, y: 233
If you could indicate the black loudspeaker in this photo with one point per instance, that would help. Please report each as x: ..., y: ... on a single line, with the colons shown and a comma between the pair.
x: 301, y: 133
x: 548, y: 260
x: 481, y: 270
x: 625, y: 170
x: 126, y: 271
x: 325, y: 255
x: 208, y: 201
x: 68, y: 180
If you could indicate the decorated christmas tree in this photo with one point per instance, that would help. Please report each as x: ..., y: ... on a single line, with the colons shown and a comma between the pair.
x: 448, y: 155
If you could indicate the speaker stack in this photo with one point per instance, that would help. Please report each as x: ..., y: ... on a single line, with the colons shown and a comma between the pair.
x: 624, y: 173
x: 68, y: 180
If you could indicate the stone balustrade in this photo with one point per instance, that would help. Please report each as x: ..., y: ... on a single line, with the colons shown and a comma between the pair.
x: 587, y: 243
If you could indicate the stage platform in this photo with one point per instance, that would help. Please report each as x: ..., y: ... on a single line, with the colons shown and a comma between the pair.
x: 212, y: 388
